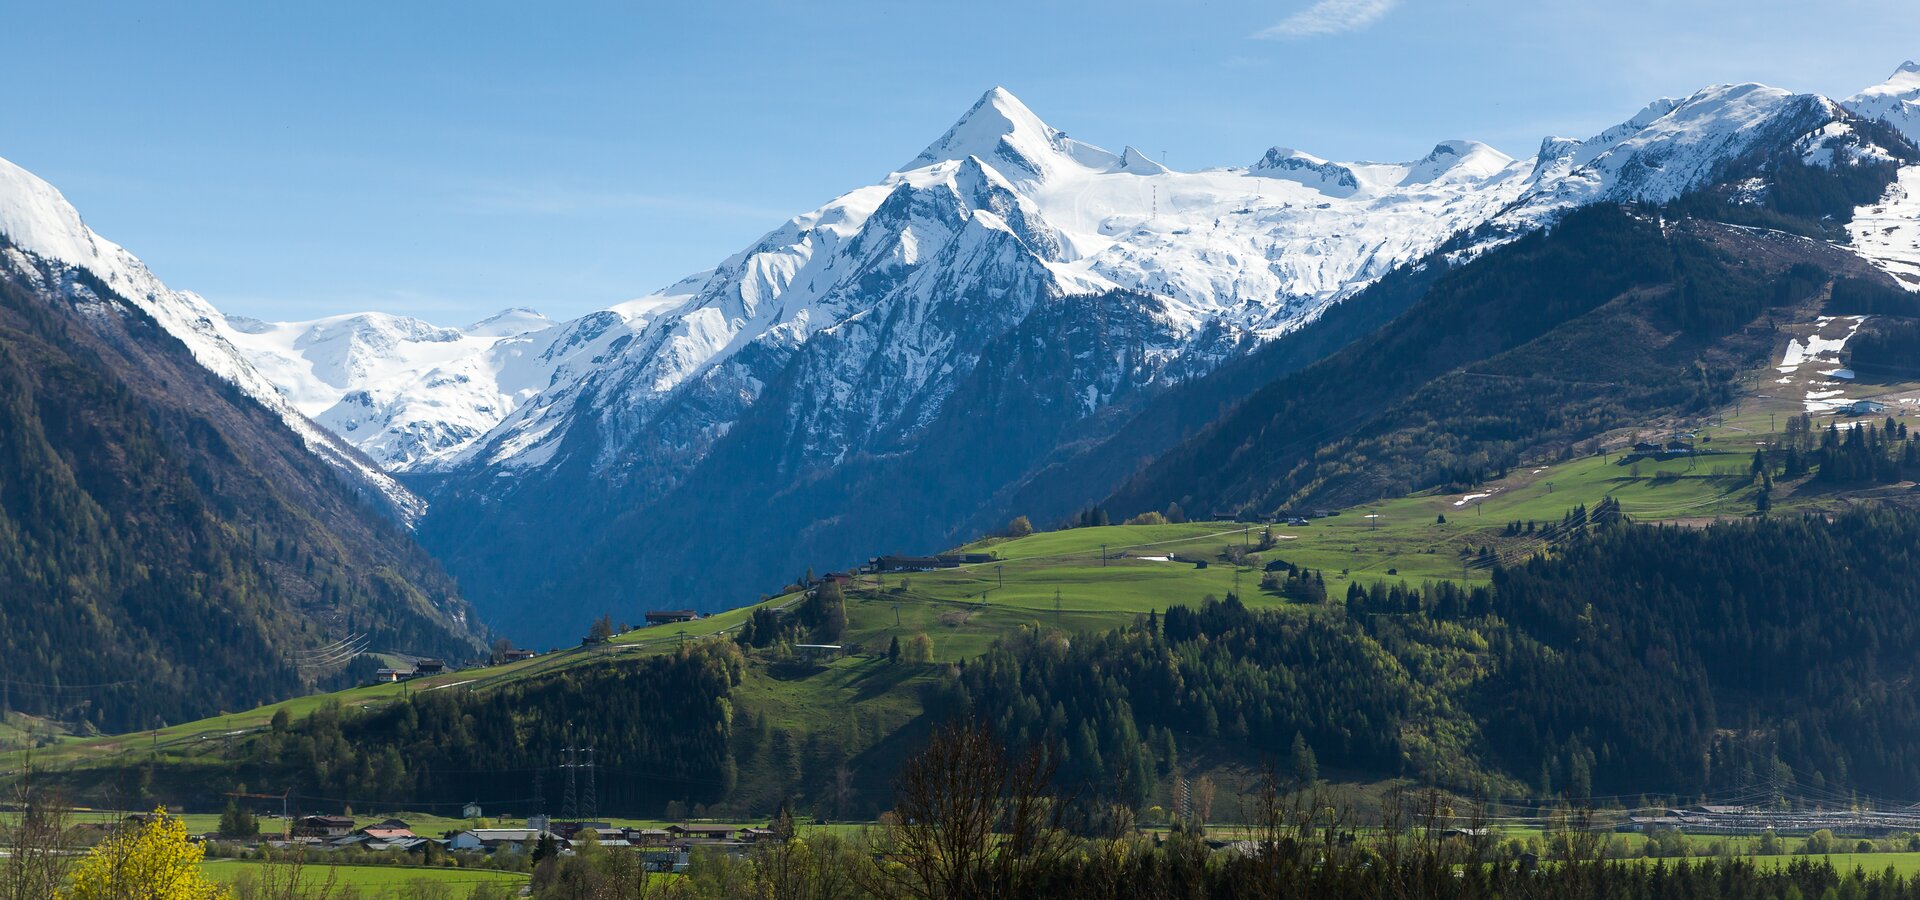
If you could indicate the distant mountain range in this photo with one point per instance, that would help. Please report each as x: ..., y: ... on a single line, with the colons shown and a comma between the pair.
x: 995, y: 328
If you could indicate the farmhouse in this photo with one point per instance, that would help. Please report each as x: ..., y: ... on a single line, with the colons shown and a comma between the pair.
x: 910, y: 563
x: 497, y: 840
x: 323, y: 826
x: 429, y: 667
x: 648, y: 837
x: 670, y: 616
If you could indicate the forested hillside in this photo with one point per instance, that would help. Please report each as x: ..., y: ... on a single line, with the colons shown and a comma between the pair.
x: 1765, y: 657
x: 169, y: 548
x: 1655, y: 660
x: 660, y: 728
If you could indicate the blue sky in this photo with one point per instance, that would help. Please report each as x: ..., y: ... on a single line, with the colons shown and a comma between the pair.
x: 451, y: 159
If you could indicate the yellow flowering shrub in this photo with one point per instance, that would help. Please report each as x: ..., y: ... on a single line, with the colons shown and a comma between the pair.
x: 153, y: 861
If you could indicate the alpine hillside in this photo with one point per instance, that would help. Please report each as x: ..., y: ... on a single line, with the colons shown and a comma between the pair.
x: 172, y: 544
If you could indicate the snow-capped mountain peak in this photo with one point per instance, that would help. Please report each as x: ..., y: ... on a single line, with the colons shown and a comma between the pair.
x: 1329, y: 178
x: 1905, y: 79
x: 1895, y: 101
x: 509, y: 322
x: 1001, y: 131
x: 1134, y: 162
x: 38, y: 219
x: 1458, y: 161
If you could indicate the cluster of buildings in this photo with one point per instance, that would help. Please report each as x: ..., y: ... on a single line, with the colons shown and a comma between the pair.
x: 880, y: 564
x: 667, y: 849
x: 421, y: 668
x: 1721, y: 819
x: 1676, y: 447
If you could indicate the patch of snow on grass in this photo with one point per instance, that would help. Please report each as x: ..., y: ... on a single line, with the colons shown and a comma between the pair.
x: 1887, y: 233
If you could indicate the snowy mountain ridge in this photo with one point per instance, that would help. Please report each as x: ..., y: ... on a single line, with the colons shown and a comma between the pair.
x: 37, y: 219
x: 1255, y: 251
x: 1234, y: 254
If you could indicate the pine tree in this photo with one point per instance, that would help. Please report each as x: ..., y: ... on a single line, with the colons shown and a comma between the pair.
x: 1306, y: 766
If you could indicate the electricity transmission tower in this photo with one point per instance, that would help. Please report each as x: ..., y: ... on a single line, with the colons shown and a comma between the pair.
x: 589, y: 803
x: 540, y: 792
x: 570, y: 801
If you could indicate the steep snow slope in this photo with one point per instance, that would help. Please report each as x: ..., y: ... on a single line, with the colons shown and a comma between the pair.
x: 40, y: 221
x: 318, y: 362
x: 1668, y: 149
x: 1888, y: 232
x: 401, y: 390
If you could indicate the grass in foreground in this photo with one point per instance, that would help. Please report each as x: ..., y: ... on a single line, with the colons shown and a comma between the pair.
x: 379, y: 881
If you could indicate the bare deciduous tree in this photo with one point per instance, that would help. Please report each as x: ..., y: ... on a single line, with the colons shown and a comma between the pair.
x: 284, y: 875
x: 36, y: 860
x: 968, y: 823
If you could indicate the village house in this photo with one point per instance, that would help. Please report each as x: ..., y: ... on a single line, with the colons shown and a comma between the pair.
x: 701, y: 832
x: 427, y: 667
x: 605, y: 836
x: 648, y: 837
x: 386, y: 835
x: 497, y: 840
x: 327, y: 827
x: 407, y: 845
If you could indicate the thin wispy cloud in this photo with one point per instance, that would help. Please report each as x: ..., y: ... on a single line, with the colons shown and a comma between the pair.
x: 1330, y: 17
